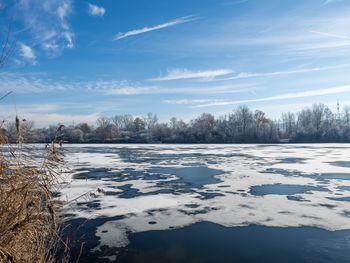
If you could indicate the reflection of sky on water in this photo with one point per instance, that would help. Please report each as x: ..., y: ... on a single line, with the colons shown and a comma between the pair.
x: 159, y: 187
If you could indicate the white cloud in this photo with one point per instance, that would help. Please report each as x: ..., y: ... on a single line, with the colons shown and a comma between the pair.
x: 46, y: 23
x: 321, y: 49
x: 176, y: 74
x: 293, y: 95
x: 326, y: 2
x: 95, y: 10
x: 132, y: 90
x: 64, y: 9
x: 330, y: 35
x: 38, y: 108
x: 45, y: 119
x: 50, y: 46
x: 237, y: 2
x: 190, y: 102
x: 170, y: 23
x: 27, y: 53
x: 137, y: 90
x: 246, y: 75
x: 29, y: 83
x: 34, y: 83
x: 285, y: 37
x: 69, y: 38
x: 47, y: 114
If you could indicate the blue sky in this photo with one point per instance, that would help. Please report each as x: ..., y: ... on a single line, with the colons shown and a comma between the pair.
x: 77, y: 60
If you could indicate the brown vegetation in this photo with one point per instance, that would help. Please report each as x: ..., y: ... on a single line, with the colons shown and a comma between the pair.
x: 29, y: 229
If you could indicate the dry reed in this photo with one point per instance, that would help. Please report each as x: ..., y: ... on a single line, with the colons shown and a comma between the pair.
x: 29, y: 227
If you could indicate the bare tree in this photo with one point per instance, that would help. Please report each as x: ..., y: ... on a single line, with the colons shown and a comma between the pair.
x: 151, y: 120
x: 128, y: 122
x: 244, y: 118
x: 314, y: 124
x: 318, y: 114
x: 203, y: 127
x: 103, y: 129
x: 346, y: 115
x: 139, y: 124
x: 118, y: 121
x: 8, y: 46
x: 304, y: 121
x: 103, y: 122
x: 288, y: 124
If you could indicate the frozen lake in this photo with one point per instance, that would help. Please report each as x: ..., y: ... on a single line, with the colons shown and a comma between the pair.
x: 209, y: 203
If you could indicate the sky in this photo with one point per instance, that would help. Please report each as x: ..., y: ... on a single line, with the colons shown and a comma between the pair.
x: 77, y: 60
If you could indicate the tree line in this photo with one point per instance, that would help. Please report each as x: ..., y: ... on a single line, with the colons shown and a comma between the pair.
x: 312, y: 124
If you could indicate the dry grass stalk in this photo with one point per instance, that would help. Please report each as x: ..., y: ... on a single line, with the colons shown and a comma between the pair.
x: 29, y: 231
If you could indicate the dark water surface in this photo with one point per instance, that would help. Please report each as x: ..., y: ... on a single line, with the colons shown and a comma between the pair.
x: 208, y: 242
x: 193, y: 177
x: 283, y: 189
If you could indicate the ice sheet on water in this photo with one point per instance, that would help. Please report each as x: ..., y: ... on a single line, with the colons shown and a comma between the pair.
x: 163, y: 201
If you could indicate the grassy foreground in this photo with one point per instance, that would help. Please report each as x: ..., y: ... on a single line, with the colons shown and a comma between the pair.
x: 29, y: 227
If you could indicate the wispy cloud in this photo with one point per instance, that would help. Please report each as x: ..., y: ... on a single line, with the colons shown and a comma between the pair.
x: 137, y: 90
x: 330, y: 35
x: 326, y: 2
x: 45, y: 23
x: 33, y: 83
x: 191, y: 102
x: 177, y: 74
x: 286, y: 36
x: 45, y: 119
x: 95, y: 10
x: 237, y: 2
x: 170, y: 23
x: 246, y: 75
x: 285, y: 96
x: 132, y: 90
x: 65, y: 9
x: 46, y: 114
x: 27, y: 53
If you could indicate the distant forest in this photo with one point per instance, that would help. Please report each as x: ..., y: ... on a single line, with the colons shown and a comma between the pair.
x: 313, y: 124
